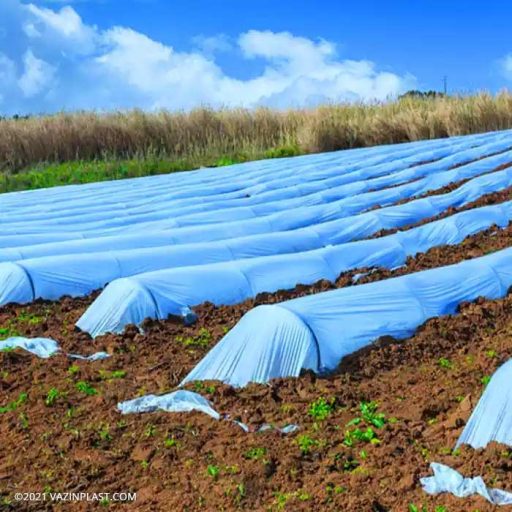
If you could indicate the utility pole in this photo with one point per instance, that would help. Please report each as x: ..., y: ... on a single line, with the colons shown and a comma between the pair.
x: 445, y: 85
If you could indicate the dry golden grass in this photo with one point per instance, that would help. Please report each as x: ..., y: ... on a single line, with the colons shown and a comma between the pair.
x: 203, y: 134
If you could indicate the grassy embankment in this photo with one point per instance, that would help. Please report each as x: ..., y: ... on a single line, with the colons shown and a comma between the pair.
x: 86, y: 147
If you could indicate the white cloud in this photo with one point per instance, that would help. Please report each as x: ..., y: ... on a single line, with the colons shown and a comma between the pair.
x: 60, y: 62
x: 63, y: 29
x: 209, y: 45
x: 37, y: 75
x: 506, y: 66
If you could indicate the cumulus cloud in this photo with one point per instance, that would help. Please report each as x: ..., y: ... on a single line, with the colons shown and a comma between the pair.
x: 37, y: 75
x: 506, y: 66
x: 60, y: 62
x: 209, y: 45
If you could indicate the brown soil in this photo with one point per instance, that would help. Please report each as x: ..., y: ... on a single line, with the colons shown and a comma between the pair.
x: 81, y: 443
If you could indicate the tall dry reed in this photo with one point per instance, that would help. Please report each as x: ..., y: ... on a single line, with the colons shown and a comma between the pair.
x: 204, y: 134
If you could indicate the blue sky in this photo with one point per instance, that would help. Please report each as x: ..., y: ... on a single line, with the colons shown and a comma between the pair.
x: 177, y: 54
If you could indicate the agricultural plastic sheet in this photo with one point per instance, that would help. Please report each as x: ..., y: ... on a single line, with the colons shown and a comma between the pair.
x: 155, y: 235
x: 40, y: 347
x: 44, y: 348
x: 187, y: 401
x: 317, y: 331
x: 178, y: 401
x: 144, y: 191
x: 159, y: 294
x: 52, y: 277
x: 492, y: 418
x: 264, y: 198
x: 259, y: 189
x: 139, y: 188
x: 270, y: 216
x: 446, y: 479
x: 490, y: 421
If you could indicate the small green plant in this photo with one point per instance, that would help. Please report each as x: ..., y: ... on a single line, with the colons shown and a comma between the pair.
x: 282, y: 499
x: 73, y: 369
x: 12, y: 406
x: 171, y: 442
x: 213, y: 471
x: 485, y: 380
x: 256, y: 453
x: 445, y: 363
x: 320, y: 409
x: 338, y: 489
x: 371, y: 416
x: 86, y: 388
x: 104, y: 433
x: 114, y: 375
x: 202, y: 340
x: 23, y: 421
x: 357, y: 435
x: 52, y: 396
x: 306, y: 443
x: 8, y: 332
x: 240, y: 490
x: 29, y: 319
x: 150, y: 430
x: 303, y: 496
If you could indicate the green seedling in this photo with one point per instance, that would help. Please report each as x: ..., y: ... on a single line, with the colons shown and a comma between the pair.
x: 202, y: 340
x: 414, y: 508
x: 23, y: 421
x: 282, y: 499
x: 306, y: 443
x: 338, y: 489
x: 73, y: 369
x: 371, y: 416
x: 116, y: 374
x: 86, y: 388
x: 213, y: 471
x: 303, y: 496
x: 29, y: 319
x: 357, y: 435
x: 104, y: 433
x: 8, y: 332
x: 12, y: 406
x: 170, y: 442
x: 485, y: 380
x: 445, y: 363
x: 320, y: 409
x: 52, y: 396
x: 255, y: 453
x: 150, y: 430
